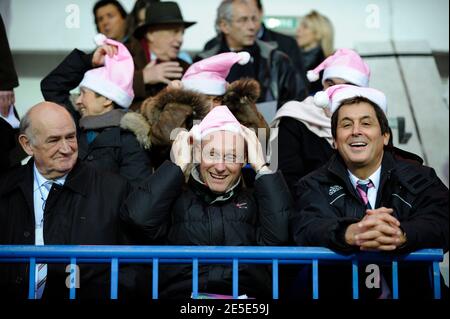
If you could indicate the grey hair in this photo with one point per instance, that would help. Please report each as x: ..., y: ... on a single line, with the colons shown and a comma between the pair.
x: 225, y: 12
x: 25, y: 127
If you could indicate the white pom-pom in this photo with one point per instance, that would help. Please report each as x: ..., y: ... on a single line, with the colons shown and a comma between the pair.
x: 312, y: 76
x: 196, y: 133
x: 321, y: 99
x: 245, y: 57
x: 100, y: 39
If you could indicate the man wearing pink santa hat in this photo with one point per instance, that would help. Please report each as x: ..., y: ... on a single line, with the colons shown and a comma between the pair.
x: 366, y: 199
x: 302, y: 130
x: 213, y: 208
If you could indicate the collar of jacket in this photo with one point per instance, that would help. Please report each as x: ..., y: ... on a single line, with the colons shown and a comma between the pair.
x: 337, y: 167
x: 200, y: 189
x: 265, y: 48
x: 109, y: 137
x: 24, y: 179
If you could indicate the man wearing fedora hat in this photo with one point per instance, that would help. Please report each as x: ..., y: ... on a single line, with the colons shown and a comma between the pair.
x: 156, y: 52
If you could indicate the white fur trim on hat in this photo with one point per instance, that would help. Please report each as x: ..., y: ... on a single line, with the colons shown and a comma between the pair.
x: 373, y: 95
x: 348, y: 74
x: 196, y: 132
x: 100, y: 39
x: 245, y: 57
x: 312, y: 76
x: 321, y: 99
x: 106, y: 88
x: 229, y: 127
x: 205, y: 86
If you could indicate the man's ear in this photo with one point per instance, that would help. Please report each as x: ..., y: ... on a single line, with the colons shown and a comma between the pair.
x: 386, y: 137
x: 224, y: 27
x: 26, y: 144
x: 333, y: 145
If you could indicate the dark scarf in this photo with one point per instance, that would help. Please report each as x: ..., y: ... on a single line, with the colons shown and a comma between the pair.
x: 108, y: 119
x: 201, y: 190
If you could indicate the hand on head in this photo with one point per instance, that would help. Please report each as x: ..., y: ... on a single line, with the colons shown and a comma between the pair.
x: 254, y: 149
x: 98, y: 58
x: 181, y: 153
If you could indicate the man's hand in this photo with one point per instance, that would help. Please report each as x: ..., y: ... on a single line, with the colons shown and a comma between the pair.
x: 254, y: 149
x: 378, y: 230
x: 7, y: 98
x: 175, y: 84
x: 98, y: 59
x: 162, y: 72
x: 181, y: 153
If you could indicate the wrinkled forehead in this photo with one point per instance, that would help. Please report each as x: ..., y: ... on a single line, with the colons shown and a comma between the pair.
x: 224, y: 141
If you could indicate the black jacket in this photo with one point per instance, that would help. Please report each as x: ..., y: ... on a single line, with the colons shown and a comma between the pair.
x: 327, y: 204
x: 8, y: 75
x: 300, y: 151
x: 311, y: 59
x: 283, y: 42
x: 174, y: 214
x: 278, y: 78
x: 114, y: 149
x: 85, y: 211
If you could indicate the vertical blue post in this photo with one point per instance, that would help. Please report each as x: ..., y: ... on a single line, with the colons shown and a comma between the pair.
x: 195, y: 278
x: 355, y: 279
x: 275, y: 279
x: 235, y: 278
x: 315, y: 265
x: 73, y: 282
x: 31, y: 281
x: 155, y: 278
x: 437, y: 280
x: 114, y: 277
x: 394, y: 280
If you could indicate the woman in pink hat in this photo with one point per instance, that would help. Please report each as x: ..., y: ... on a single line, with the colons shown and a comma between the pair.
x: 303, y: 141
x: 111, y: 139
x: 213, y: 208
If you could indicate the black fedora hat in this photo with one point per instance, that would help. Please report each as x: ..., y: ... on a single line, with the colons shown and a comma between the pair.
x: 161, y: 13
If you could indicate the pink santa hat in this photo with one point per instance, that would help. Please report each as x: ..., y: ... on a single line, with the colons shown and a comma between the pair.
x: 334, y: 95
x: 345, y: 64
x: 114, y: 80
x: 208, y: 76
x: 219, y: 118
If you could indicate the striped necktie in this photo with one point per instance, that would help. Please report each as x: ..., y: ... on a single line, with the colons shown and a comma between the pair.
x: 363, y: 187
x: 41, y: 269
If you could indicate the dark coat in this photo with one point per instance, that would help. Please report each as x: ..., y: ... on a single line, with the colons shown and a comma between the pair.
x: 85, y: 211
x: 114, y: 149
x: 278, y: 78
x: 117, y: 151
x: 283, y: 42
x: 300, y: 151
x: 142, y: 90
x: 176, y: 215
x: 8, y: 75
x: 311, y: 59
x: 327, y: 204
x: 7, y: 143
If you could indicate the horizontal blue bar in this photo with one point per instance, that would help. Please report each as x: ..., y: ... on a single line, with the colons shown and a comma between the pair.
x: 207, y: 252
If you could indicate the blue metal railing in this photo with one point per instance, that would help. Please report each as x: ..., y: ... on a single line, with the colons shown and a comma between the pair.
x: 195, y: 255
